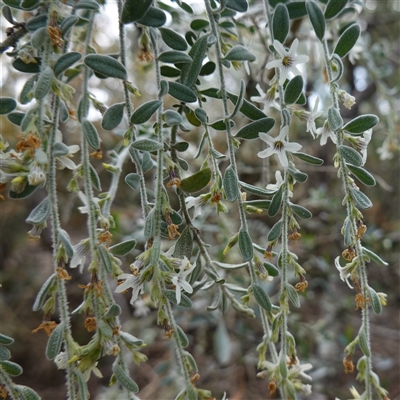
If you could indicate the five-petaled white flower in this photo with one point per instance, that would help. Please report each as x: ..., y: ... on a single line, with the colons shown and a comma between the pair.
x: 131, y: 281
x: 279, y: 182
x: 314, y: 114
x: 268, y: 99
x: 279, y: 146
x: 179, y: 279
x: 197, y: 203
x: 346, y: 271
x: 85, y: 209
x: 325, y: 132
x: 288, y: 61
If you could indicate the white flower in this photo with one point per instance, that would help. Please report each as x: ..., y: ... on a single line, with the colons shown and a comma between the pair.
x: 131, y: 281
x: 279, y: 182
x: 325, y: 132
x: 265, y: 98
x: 36, y: 175
x: 385, y: 151
x: 347, y: 99
x: 61, y: 360
x: 197, y: 203
x: 65, y: 161
x: 141, y: 310
x: 279, y: 146
x: 80, y: 252
x: 314, y: 114
x: 365, y: 141
x: 93, y: 368
x: 345, y: 272
x: 85, y: 208
x: 288, y: 61
x: 298, y: 371
x: 179, y: 279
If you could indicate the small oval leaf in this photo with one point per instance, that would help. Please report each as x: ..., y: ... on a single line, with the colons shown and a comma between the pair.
x: 144, y: 112
x: 347, y: 40
x: 197, y: 181
x: 276, y: 202
x: 54, y: 343
x: 171, y: 296
x: 184, y: 245
x: 317, y: 18
x: 293, y: 295
x: 147, y: 145
x: 375, y: 301
x: 44, y: 292
x: 106, y: 65
x: 275, y: 231
x: 90, y: 133
x: 7, y: 104
x: 105, y: 258
x: 334, y: 7
x: 294, y: 89
x: 261, y: 297
x: 182, y: 92
x: 134, y: 10
x: 309, y: 159
x: 361, y: 124
x: 133, y: 180
x: 65, y: 61
x: 11, y: 368
x: 301, y: 211
x: 361, y: 199
x: 280, y: 23
x: 174, y: 57
x: 363, y: 343
x: 231, y: 184
x: 351, y: 155
x: 40, y: 213
x: 172, y: 117
x: 154, y: 18
x: 239, y: 53
x: 334, y: 119
x: 123, y: 248
x: 252, y: 130
x: 245, y: 245
x: 362, y: 175
x: 125, y: 380
x: 181, y: 336
x: 113, y: 116
x: 173, y: 39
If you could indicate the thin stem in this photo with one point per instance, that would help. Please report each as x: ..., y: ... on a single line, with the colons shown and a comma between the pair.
x: 353, y: 229
x: 6, y: 381
x: 229, y: 136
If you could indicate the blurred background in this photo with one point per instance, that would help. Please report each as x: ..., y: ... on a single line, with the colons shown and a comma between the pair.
x: 224, y: 346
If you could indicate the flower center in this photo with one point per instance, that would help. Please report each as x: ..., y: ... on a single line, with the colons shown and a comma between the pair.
x: 287, y: 61
x: 278, y: 145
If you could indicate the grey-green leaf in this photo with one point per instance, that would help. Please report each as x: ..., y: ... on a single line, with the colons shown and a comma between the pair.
x: 134, y: 10
x: 43, y: 84
x: 201, y: 115
x: 197, y: 181
x: 374, y: 257
x: 94, y: 177
x: 317, y: 18
x: 180, y: 335
x: 105, y: 258
x: 294, y: 89
x: 231, y: 184
x: 237, y: 5
x: 174, y: 57
x: 133, y: 180
x: 301, y: 211
x: 276, y: 202
x: 351, y: 155
x: 113, y: 311
x: 27, y: 393
x: 5, y: 354
x: 123, y: 248
x: 90, y: 133
x: 54, y: 343
x: 44, y: 292
x: 106, y: 65
x: 309, y: 159
x: 239, y: 53
x: 172, y: 117
x: 361, y: 124
x: 280, y: 23
x: 113, y: 116
x: 171, y: 296
x: 65, y: 61
x: 347, y: 40
x: 334, y: 7
x: 293, y: 295
x: 245, y: 245
x: 261, y: 297
x: 144, y: 112
x: 275, y: 231
x: 125, y: 380
x: 147, y: 145
x: 184, y: 244
x: 173, y: 39
x: 361, y: 199
x: 7, y: 104
x: 40, y: 213
x: 11, y: 368
x: 182, y: 92
x: 334, y: 119
x: 86, y: 5
x: 362, y: 175
x: 6, y: 340
x: 255, y: 190
x: 252, y: 130
x: 190, y: 71
x: 375, y: 301
x: 363, y: 342
x: 64, y: 239
x: 298, y: 175
x: 154, y: 18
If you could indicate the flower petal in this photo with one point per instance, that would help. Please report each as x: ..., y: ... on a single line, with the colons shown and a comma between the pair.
x: 278, y: 46
x: 293, y: 147
x: 283, y: 158
x: 267, y: 138
x: 266, y: 153
x: 274, y: 64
